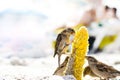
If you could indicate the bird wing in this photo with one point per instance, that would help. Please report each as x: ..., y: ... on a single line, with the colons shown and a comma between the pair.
x: 59, y: 43
x: 106, y: 68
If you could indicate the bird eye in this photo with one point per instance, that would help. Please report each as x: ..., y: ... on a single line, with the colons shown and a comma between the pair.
x: 92, y: 60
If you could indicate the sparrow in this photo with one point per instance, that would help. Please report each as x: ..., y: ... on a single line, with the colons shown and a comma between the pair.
x: 64, y: 39
x: 102, y: 70
x: 88, y: 71
x: 60, y: 70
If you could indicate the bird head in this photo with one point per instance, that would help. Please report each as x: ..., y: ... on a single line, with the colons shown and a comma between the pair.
x: 69, y: 31
x: 91, y: 60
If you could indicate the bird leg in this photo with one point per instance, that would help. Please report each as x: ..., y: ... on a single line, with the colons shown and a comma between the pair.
x: 59, y: 60
x: 62, y: 52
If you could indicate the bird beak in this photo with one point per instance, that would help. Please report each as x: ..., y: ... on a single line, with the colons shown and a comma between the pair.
x: 86, y: 57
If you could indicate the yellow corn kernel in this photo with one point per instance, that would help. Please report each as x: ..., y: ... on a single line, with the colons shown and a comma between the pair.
x: 79, y: 50
x: 80, y: 45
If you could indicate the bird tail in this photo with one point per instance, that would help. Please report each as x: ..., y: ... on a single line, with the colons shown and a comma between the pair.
x: 55, y: 53
x: 117, y: 73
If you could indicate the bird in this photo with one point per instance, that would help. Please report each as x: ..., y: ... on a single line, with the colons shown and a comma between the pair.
x: 102, y: 70
x: 63, y: 40
x: 88, y: 71
x: 60, y: 70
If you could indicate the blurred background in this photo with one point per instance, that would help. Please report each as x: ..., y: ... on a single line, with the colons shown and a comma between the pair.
x: 28, y: 27
x: 28, y: 30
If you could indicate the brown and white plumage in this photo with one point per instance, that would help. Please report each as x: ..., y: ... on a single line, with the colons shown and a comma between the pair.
x: 60, y: 70
x: 102, y: 70
x: 88, y: 71
x: 62, y: 42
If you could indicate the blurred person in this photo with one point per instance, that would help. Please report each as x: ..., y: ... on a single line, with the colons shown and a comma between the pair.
x: 99, y: 14
x: 95, y: 14
x: 109, y: 33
